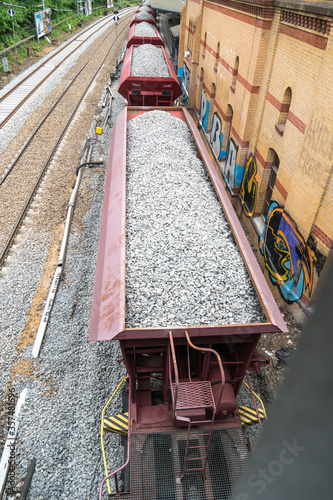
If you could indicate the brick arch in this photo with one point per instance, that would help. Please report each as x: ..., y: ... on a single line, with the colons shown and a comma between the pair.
x: 211, y: 107
x: 227, y: 127
x: 271, y: 167
x: 217, y: 57
x: 286, y: 102
x: 199, y: 90
x: 204, y: 45
x: 189, y: 34
x: 235, y: 71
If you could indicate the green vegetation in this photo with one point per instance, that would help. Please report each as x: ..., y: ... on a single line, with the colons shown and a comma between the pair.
x: 24, y: 23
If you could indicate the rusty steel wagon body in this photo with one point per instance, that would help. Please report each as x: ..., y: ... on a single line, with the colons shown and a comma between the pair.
x: 145, y: 8
x: 136, y: 19
x: 148, y: 90
x: 185, y: 437
x: 134, y: 39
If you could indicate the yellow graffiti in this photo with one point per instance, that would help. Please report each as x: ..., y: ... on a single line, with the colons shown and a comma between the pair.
x: 249, y: 189
x: 287, y: 257
x: 283, y: 250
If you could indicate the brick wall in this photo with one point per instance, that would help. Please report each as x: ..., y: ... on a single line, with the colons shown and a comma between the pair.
x: 264, y: 74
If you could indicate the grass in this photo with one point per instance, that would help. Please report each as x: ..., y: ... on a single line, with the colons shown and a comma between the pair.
x: 21, y: 53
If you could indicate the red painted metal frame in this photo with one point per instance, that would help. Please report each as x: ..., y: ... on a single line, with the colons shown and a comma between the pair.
x: 134, y: 20
x: 140, y: 40
x: 149, y: 9
x: 148, y: 85
x: 108, y: 309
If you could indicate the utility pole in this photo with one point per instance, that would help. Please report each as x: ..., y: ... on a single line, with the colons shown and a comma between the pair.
x: 116, y: 19
x: 79, y: 8
x: 12, y: 13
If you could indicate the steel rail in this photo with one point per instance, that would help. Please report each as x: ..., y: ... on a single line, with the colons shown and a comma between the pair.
x: 47, y: 76
x: 33, y: 135
x: 41, y: 175
x: 49, y: 59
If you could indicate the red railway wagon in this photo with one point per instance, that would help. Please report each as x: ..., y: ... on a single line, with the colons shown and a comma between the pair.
x: 145, y: 90
x: 139, y: 40
x: 185, y: 439
x: 145, y: 8
x: 136, y: 20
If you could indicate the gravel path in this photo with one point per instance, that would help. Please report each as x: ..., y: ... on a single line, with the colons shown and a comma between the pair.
x: 148, y: 60
x: 183, y: 266
x: 72, y: 379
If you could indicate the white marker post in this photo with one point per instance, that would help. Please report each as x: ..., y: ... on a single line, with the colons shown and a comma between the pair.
x: 9, y: 448
x: 116, y: 19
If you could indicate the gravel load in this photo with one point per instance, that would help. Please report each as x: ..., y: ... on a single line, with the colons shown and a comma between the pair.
x: 148, y: 60
x: 183, y: 266
x: 147, y: 2
x: 143, y: 15
x: 144, y: 29
x: 144, y: 8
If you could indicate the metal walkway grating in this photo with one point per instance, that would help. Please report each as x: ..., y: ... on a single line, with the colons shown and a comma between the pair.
x: 194, y: 395
x: 157, y: 462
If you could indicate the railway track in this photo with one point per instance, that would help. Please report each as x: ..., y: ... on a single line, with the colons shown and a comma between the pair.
x: 12, y: 100
x: 24, y: 176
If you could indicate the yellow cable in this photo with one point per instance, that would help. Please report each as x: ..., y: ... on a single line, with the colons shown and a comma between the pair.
x: 256, y: 395
x: 102, y: 432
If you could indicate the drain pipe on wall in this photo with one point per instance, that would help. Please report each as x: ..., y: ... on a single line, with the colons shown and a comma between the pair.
x: 62, y: 255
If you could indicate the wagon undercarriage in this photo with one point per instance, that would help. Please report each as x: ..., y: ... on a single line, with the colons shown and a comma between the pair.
x: 156, y: 462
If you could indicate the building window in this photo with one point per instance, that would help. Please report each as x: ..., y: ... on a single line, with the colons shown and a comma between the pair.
x: 271, y: 183
x: 234, y: 75
x: 189, y: 35
x: 227, y: 128
x: 204, y: 47
x: 284, y: 111
x: 217, y: 57
x: 211, y: 108
x: 199, y: 91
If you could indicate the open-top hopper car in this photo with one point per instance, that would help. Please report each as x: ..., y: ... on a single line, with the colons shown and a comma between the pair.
x: 136, y: 38
x: 140, y: 88
x: 185, y: 439
x: 140, y: 17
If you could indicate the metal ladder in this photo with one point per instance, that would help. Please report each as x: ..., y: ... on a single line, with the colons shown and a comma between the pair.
x: 191, y: 395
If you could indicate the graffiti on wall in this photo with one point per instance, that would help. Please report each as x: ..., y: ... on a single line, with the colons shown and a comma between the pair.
x: 216, y: 137
x: 184, y: 75
x: 288, y: 258
x: 317, y: 149
x: 249, y: 189
x: 187, y: 77
x: 233, y: 173
x: 204, y: 110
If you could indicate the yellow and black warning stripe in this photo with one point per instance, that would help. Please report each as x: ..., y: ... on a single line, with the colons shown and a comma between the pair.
x: 248, y: 416
x: 117, y: 423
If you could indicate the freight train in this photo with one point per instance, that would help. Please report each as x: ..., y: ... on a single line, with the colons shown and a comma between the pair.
x: 178, y: 286
x: 147, y: 77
